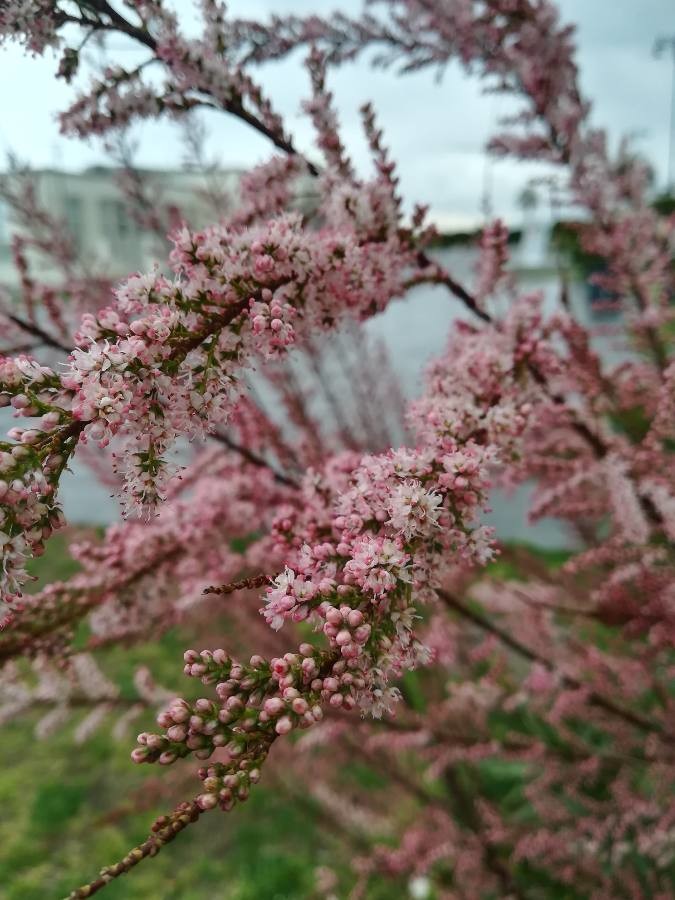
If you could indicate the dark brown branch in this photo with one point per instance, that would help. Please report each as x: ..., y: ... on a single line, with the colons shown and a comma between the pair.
x: 602, y: 702
x: 254, y: 459
x: 458, y: 290
x: 243, y: 584
x: 234, y: 106
x: 36, y: 331
x: 119, y: 23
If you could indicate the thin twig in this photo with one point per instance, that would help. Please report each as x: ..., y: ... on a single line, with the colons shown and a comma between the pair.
x: 164, y: 829
x: 628, y: 715
x: 243, y: 584
x: 36, y: 331
x: 254, y: 459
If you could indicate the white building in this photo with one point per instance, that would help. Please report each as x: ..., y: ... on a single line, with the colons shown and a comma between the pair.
x: 92, y: 205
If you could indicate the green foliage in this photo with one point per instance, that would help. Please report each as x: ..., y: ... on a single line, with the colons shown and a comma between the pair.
x: 366, y: 777
x: 56, y: 564
x: 55, y: 803
x: 665, y: 204
x: 66, y: 810
x: 464, y: 238
x: 566, y: 239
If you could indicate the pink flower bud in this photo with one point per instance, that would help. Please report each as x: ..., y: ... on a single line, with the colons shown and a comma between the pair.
x: 334, y: 616
x: 354, y: 618
x: 274, y: 706
x: 179, y: 712
x: 362, y: 633
x: 207, y: 801
x: 284, y: 725
x: 309, y: 668
x: 279, y: 666
x: 176, y: 733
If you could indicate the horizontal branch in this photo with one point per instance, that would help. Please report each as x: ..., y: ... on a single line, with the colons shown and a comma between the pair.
x: 241, y: 585
x: 36, y: 331
x: 485, y: 624
x: 254, y: 459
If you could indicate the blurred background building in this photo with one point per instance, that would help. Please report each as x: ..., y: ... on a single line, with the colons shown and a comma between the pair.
x: 96, y: 212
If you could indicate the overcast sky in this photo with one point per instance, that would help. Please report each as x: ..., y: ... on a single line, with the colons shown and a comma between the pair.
x: 436, y: 132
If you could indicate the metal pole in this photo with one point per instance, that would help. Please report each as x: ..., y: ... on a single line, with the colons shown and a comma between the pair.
x: 671, y: 141
x: 661, y: 47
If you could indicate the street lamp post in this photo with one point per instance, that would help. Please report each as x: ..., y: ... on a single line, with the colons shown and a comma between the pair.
x: 662, y: 47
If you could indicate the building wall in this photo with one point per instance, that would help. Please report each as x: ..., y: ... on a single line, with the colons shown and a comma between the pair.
x: 94, y: 209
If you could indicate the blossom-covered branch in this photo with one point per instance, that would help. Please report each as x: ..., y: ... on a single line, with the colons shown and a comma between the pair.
x: 370, y: 556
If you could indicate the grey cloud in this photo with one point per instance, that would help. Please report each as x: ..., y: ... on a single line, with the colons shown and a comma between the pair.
x: 437, y: 132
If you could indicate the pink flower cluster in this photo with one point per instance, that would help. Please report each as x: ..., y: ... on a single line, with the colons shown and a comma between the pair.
x: 32, y: 23
x: 555, y: 680
x: 165, y: 359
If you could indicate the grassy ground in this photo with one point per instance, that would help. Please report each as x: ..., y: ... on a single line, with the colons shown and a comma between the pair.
x: 66, y: 810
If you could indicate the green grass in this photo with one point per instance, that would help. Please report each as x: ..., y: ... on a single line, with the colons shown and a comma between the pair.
x: 67, y: 810
x: 55, y: 564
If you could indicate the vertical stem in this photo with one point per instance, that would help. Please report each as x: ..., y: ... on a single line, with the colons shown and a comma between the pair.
x: 671, y: 141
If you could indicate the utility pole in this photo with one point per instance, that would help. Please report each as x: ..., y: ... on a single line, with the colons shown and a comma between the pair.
x: 662, y: 47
